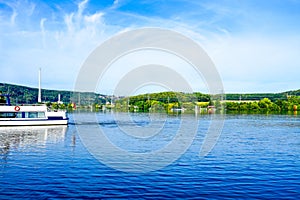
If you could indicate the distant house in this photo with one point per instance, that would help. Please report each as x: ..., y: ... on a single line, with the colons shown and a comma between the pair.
x: 211, y: 109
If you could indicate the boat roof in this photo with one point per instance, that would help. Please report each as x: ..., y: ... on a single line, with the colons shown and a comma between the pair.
x: 26, y: 108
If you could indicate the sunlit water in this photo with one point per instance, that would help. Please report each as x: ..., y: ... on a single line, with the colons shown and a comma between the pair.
x: 256, y: 156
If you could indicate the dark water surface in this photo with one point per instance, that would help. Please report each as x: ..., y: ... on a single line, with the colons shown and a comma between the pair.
x: 256, y: 156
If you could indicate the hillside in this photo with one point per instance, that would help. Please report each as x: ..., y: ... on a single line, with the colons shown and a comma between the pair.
x: 27, y: 95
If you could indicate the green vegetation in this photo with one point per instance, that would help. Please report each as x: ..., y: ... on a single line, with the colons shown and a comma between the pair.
x: 161, y: 102
x: 258, y: 96
x: 292, y: 103
x: 170, y: 102
x: 27, y: 95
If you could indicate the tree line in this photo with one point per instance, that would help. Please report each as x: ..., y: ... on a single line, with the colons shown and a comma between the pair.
x: 27, y: 95
x: 168, y: 101
x: 157, y: 102
x: 292, y: 103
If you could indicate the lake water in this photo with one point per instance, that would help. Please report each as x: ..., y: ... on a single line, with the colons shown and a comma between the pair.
x: 255, y: 156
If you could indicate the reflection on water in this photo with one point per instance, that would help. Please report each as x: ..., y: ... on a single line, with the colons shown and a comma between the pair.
x: 28, y: 136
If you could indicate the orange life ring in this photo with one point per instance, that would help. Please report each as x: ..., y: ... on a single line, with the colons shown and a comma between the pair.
x: 17, y: 108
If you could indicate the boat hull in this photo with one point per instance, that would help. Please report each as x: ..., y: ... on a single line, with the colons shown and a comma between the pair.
x: 31, y: 122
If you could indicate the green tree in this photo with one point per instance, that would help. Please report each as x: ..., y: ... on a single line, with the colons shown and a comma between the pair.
x: 264, y: 103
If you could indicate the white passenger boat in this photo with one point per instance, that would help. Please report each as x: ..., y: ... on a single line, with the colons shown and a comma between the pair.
x: 29, y: 115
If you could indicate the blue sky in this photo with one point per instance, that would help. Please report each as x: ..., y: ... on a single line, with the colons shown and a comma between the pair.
x: 254, y: 44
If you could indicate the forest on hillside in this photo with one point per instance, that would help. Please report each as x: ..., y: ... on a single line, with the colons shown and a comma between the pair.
x: 162, y: 101
x: 27, y: 95
x: 170, y: 101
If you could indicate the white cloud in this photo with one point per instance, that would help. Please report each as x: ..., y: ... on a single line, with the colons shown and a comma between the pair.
x: 81, y: 6
x: 95, y: 18
x: 69, y: 22
x: 249, y: 57
x: 13, y: 17
x: 115, y: 4
x: 20, y: 10
x: 59, y: 51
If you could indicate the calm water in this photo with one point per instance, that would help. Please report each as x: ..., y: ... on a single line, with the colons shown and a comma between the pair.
x: 256, y: 156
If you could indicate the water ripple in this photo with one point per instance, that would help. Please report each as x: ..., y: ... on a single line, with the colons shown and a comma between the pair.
x: 256, y: 157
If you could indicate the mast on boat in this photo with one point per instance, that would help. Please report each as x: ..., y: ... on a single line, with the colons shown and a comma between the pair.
x: 40, y: 90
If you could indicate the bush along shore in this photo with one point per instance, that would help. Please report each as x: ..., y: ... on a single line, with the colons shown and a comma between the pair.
x: 176, y: 103
x: 171, y: 102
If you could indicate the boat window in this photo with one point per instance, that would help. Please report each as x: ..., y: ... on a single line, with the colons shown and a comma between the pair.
x: 22, y: 115
x: 41, y: 115
x: 8, y: 114
x: 19, y: 115
x: 32, y: 115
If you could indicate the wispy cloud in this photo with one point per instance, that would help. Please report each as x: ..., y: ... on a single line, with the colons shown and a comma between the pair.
x: 20, y: 10
x: 115, y: 4
x: 252, y: 42
x: 59, y: 50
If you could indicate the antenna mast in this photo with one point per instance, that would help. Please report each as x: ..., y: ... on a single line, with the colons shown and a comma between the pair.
x: 40, y: 90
